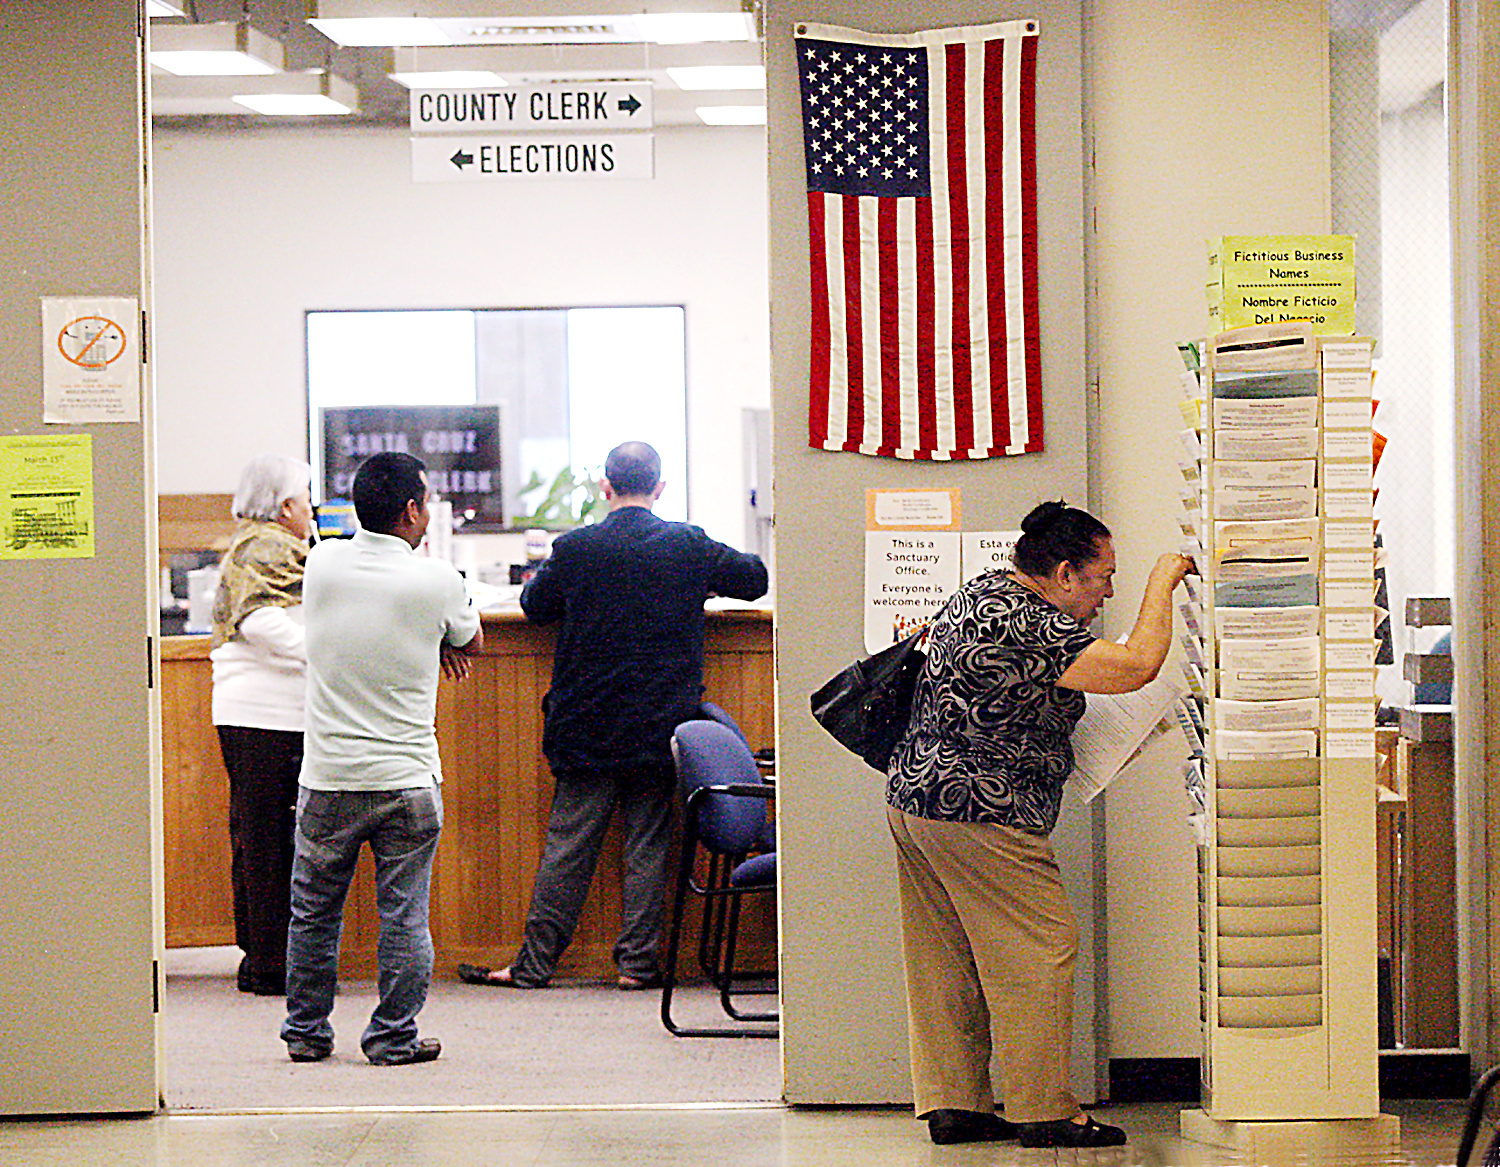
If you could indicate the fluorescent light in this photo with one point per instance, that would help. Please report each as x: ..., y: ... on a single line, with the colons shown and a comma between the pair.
x: 449, y: 79
x: 719, y: 76
x: 224, y: 48
x: 680, y: 28
x: 381, y: 30
x: 291, y: 104
x: 302, y: 95
x: 162, y: 8
x: 732, y: 115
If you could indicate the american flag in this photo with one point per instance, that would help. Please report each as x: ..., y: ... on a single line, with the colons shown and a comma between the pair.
x: 921, y: 199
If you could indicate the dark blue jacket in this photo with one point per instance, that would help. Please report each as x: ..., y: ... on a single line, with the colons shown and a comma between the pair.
x: 629, y: 662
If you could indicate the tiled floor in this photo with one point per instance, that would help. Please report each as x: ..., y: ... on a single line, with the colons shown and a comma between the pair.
x: 746, y: 1136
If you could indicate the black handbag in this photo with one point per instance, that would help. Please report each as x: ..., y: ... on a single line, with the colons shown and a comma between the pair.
x: 867, y: 706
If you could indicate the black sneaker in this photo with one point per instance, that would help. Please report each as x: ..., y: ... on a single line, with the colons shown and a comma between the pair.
x: 306, y: 1051
x: 968, y: 1126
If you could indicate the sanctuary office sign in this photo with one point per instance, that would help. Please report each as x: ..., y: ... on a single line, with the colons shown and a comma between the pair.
x: 560, y: 130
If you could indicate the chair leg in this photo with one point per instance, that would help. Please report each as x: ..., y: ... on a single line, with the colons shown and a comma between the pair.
x: 674, y: 933
x: 727, y: 987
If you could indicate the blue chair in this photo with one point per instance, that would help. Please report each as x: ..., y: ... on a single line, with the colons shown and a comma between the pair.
x: 727, y: 831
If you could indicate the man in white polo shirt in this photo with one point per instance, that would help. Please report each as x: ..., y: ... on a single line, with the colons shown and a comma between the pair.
x: 380, y: 622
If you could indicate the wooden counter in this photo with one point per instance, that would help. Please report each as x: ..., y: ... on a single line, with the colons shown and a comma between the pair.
x: 497, y: 790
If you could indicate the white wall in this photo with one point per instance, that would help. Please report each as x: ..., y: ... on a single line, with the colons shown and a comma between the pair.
x: 255, y: 227
x: 1209, y: 119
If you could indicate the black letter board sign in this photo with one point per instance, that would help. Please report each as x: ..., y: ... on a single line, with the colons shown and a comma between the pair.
x: 460, y: 445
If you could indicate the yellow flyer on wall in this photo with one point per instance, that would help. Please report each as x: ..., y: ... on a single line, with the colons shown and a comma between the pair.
x: 47, y: 496
x: 1268, y: 279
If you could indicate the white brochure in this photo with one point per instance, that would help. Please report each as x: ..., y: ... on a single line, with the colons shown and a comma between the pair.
x: 1257, y: 670
x: 1264, y: 716
x: 1266, y: 623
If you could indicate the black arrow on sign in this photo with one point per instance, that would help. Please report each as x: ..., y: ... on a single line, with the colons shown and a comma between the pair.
x: 460, y: 159
x: 630, y: 104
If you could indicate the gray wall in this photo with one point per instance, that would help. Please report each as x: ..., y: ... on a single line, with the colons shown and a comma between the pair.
x: 844, y: 1013
x: 76, y: 899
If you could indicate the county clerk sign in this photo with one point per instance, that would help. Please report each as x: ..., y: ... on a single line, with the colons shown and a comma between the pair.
x: 560, y: 130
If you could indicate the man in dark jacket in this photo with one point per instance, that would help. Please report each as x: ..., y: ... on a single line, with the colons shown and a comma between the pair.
x: 627, y: 671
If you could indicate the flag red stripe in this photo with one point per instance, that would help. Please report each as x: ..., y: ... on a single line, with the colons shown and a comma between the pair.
x: 817, y: 402
x: 958, y: 232
x: 926, y: 330
x: 890, y: 327
x: 994, y: 239
x: 853, y: 325
x: 1030, y: 290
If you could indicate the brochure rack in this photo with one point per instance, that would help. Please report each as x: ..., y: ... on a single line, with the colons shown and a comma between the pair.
x: 1280, y: 658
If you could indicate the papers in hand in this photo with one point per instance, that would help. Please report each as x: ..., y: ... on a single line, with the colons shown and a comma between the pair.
x: 1114, y: 729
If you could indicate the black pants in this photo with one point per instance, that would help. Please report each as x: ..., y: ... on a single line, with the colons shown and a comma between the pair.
x: 263, y: 766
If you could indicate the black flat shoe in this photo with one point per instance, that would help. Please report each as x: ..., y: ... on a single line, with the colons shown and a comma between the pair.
x: 968, y: 1126
x: 306, y: 1051
x: 426, y: 1050
x: 1067, y: 1133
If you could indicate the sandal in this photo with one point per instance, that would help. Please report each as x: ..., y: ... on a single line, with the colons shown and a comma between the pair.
x: 500, y: 978
x: 1066, y: 1133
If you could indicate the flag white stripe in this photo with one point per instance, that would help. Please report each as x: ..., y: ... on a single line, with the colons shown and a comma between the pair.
x: 1015, y: 289
x: 838, y: 324
x: 869, y: 319
x: 979, y: 276
x: 906, y: 304
x: 942, y: 247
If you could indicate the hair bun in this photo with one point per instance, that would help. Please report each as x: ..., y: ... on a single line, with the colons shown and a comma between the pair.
x: 1042, y: 517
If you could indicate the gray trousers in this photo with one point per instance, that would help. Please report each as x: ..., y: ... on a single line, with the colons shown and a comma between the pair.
x: 583, y: 802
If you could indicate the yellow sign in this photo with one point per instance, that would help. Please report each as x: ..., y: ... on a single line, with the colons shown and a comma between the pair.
x: 47, y: 497
x: 1270, y: 279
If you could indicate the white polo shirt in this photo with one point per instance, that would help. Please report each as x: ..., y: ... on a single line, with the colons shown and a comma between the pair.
x: 375, y: 614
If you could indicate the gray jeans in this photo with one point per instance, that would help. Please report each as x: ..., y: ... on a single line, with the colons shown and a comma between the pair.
x: 402, y: 828
x: 583, y: 802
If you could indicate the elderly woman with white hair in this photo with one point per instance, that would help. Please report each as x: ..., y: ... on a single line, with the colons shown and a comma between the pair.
x: 260, y: 676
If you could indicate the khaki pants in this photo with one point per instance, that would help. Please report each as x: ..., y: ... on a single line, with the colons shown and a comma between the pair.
x: 990, y: 943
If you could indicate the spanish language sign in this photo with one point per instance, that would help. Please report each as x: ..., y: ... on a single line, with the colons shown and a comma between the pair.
x: 1268, y: 279
x: 911, y: 560
x: 47, y: 496
x: 988, y: 551
x: 91, y: 360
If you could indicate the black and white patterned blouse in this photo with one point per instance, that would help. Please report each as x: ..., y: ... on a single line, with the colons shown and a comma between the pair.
x: 990, y: 739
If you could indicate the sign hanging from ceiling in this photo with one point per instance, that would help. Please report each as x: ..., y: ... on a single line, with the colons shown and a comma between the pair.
x: 531, y: 156
x: 557, y: 106
x: 576, y: 130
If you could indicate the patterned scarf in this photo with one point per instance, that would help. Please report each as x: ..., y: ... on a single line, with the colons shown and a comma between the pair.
x: 261, y: 569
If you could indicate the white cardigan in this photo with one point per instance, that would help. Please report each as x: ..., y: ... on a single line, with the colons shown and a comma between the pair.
x: 260, y: 677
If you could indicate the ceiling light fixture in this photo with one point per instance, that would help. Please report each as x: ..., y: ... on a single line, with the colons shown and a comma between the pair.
x: 383, y: 31
x: 718, y: 76
x: 732, y: 115
x: 312, y: 94
x: 224, y: 48
x: 680, y: 28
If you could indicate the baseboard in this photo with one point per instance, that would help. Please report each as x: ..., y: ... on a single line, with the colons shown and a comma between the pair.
x: 1424, y: 1073
x: 1153, y: 1080
x: 1403, y: 1074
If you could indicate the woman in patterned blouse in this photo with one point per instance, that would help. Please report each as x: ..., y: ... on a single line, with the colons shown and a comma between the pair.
x: 974, y: 790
